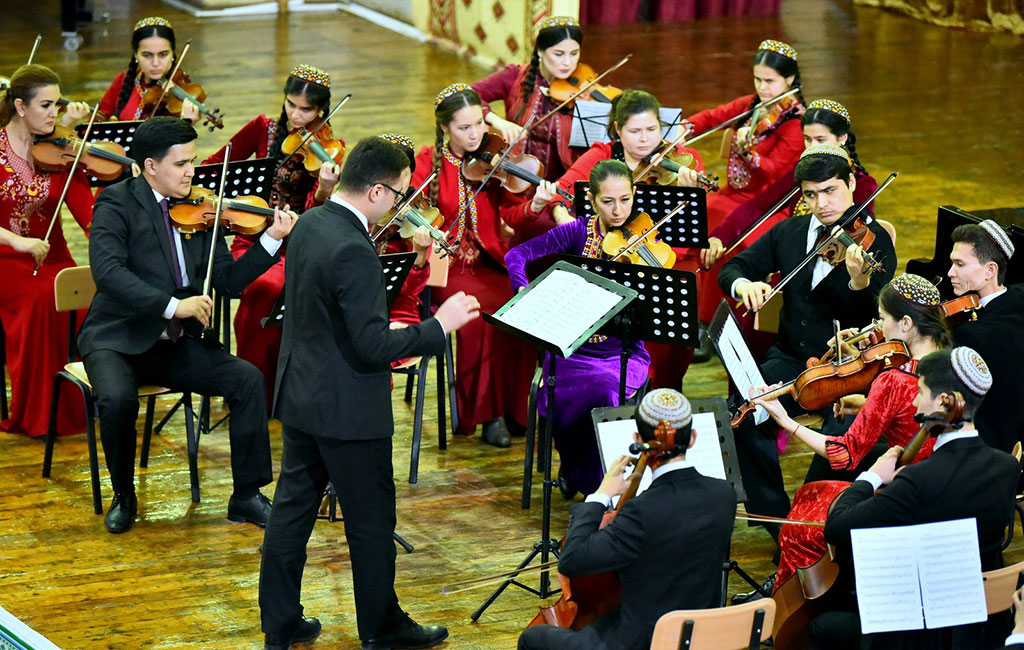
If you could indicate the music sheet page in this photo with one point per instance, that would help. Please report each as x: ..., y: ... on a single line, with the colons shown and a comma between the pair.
x: 740, y: 364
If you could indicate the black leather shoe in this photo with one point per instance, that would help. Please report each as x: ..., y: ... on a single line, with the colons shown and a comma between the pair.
x: 122, y: 513
x: 409, y: 634
x: 766, y: 588
x: 307, y: 629
x: 567, y: 489
x: 255, y: 510
x: 496, y: 433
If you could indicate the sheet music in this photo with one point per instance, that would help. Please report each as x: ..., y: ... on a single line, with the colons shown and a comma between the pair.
x: 613, y: 440
x: 560, y: 309
x: 590, y: 123
x: 740, y: 364
x: 935, y: 581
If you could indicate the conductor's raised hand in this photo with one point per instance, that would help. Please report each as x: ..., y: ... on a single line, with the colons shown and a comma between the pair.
x: 284, y: 221
x: 457, y: 311
x: 198, y: 307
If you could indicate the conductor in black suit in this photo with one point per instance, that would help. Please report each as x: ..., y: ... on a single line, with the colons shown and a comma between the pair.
x: 148, y: 294
x: 667, y: 545
x: 333, y: 396
x: 817, y: 294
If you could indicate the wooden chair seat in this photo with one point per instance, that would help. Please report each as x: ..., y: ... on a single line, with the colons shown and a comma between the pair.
x: 999, y: 587
x: 409, y: 363
x: 723, y: 628
x: 77, y: 370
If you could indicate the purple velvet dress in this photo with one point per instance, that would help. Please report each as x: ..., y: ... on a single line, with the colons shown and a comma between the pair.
x: 590, y: 377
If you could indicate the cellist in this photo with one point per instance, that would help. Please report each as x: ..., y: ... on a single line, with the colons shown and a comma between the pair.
x: 667, y: 545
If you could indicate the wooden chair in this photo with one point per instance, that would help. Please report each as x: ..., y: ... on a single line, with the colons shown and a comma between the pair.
x: 1000, y: 585
x: 416, y: 372
x: 74, y: 289
x: 889, y: 228
x: 724, y: 628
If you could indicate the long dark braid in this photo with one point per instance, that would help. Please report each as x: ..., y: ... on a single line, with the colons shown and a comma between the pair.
x: 528, y: 84
x: 140, y: 34
x: 127, y: 85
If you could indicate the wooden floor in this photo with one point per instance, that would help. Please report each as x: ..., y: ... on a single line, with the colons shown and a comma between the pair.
x: 940, y: 106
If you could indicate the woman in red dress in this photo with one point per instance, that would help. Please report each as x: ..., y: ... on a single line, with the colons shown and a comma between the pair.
x: 307, y: 97
x: 36, y: 334
x: 153, y: 56
x: 758, y: 154
x: 492, y: 369
x: 635, y: 130
x: 910, y: 312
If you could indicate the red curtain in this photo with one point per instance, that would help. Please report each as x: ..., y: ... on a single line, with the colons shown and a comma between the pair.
x: 602, y: 12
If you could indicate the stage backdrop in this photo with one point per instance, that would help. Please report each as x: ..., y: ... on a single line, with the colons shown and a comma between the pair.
x: 1005, y: 15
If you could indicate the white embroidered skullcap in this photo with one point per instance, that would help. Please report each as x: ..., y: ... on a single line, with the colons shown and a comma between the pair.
x: 999, y: 236
x: 971, y: 369
x: 665, y: 405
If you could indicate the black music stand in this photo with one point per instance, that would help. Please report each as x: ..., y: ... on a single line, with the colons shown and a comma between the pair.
x: 687, y: 229
x: 396, y: 269
x: 557, y: 313
x: 120, y: 133
x: 245, y: 178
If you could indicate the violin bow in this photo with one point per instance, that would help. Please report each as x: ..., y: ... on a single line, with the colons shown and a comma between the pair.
x: 584, y: 88
x: 653, y: 161
x: 760, y: 106
x: 170, y: 78
x: 67, y: 183
x: 749, y: 231
x: 474, y: 583
x: 403, y: 206
x: 838, y: 228
x: 643, y: 235
x: 494, y: 168
x: 312, y: 132
x: 216, y: 224
x: 35, y: 47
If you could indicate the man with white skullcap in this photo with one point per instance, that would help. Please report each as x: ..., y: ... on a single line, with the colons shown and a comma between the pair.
x: 963, y: 479
x: 979, y: 259
x: 667, y: 544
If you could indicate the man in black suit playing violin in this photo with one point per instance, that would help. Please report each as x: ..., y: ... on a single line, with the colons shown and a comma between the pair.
x: 148, y: 279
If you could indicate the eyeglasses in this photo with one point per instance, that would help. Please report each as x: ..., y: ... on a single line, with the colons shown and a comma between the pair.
x: 399, y: 196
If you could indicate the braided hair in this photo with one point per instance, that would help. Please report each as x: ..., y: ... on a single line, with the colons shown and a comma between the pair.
x: 546, y: 38
x: 839, y: 127
x: 444, y: 113
x: 785, y: 66
x: 315, y: 94
x: 139, y: 35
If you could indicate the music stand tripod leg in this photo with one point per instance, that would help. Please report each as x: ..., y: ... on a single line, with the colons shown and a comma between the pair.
x: 546, y: 546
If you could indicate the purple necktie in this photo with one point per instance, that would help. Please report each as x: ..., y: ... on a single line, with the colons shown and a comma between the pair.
x: 174, y: 327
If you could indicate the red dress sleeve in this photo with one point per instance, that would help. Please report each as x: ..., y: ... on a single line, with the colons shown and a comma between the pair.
x: 79, y: 200
x: 887, y: 410
x: 749, y: 212
x: 778, y: 153
x: 496, y: 86
x: 712, y: 117
x: 251, y: 140
x: 866, y: 186
x: 109, y: 101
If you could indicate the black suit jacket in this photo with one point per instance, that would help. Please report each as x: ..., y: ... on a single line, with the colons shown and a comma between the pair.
x: 805, y: 324
x: 130, y: 255
x: 998, y: 336
x: 334, y: 374
x: 667, y: 545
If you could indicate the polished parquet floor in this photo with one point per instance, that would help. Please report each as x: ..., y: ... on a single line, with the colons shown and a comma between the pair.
x: 941, y: 106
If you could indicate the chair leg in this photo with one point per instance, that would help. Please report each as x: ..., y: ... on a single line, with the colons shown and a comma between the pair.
x: 94, y: 464
x: 531, y: 437
x: 167, y: 416
x: 408, y: 388
x: 191, y: 430
x: 147, y: 432
x: 442, y: 419
x: 51, y: 429
x: 453, y: 399
x: 417, y: 426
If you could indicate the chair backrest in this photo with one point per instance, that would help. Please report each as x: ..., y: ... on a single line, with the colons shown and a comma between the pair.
x: 73, y: 288
x: 438, y: 270
x: 724, y: 628
x: 1000, y: 585
x: 889, y: 228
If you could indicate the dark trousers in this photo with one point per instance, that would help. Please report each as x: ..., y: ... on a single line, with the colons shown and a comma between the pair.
x: 186, y: 365
x: 599, y: 635
x: 362, y: 475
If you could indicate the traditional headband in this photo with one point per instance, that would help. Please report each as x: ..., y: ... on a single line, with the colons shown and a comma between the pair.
x: 778, y: 47
x: 999, y: 236
x: 916, y: 289
x: 665, y: 405
x: 829, y: 149
x: 311, y: 74
x: 831, y: 107
x: 971, y: 369
x: 449, y: 91
x: 398, y: 139
x: 557, y: 21
x: 152, y: 21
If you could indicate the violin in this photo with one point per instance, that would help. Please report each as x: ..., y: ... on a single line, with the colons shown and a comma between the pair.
x: 56, y: 152
x: 665, y: 170
x: 872, y: 334
x: 569, y: 89
x: 962, y: 309
x: 516, y: 173
x: 819, y: 386
x: 322, y: 148
x: 637, y: 241
x: 764, y: 118
x: 244, y: 215
x: 949, y: 418
x: 171, y: 93
x: 853, y: 232
x: 416, y: 216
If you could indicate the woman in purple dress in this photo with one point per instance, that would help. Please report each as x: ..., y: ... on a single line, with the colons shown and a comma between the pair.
x: 590, y: 377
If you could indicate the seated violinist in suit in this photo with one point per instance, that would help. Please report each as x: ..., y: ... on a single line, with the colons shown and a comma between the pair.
x: 963, y: 478
x: 148, y: 279
x: 666, y: 546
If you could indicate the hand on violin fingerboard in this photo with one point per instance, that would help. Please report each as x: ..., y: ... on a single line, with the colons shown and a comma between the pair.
x: 329, y: 174
x: 75, y: 113
x: 190, y: 112
x: 545, y: 193
x: 687, y: 177
x: 284, y: 221
x: 857, y: 267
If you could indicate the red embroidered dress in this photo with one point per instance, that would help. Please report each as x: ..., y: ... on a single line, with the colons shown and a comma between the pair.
x: 36, y: 334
